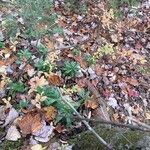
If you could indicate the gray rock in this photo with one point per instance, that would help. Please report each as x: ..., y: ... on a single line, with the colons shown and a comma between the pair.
x: 144, y: 143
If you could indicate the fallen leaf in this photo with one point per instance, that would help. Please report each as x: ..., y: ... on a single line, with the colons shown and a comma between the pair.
x: 91, y: 104
x: 43, y: 135
x: 81, y: 82
x: 147, y: 115
x: 49, y: 113
x: 13, y: 134
x: 112, y: 102
x: 132, y: 81
x: 12, y: 115
x: 54, y: 79
x: 59, y: 128
x: 37, y: 147
x: 30, y: 122
x: 79, y: 59
x: 35, y: 82
x: 98, y: 70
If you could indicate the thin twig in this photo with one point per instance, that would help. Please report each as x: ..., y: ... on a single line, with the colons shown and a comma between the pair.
x: 85, y: 122
x: 114, y: 124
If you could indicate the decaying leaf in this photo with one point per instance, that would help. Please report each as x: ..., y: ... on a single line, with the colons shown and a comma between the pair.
x: 31, y: 122
x: 54, y: 79
x: 49, y: 113
x: 132, y: 81
x: 37, y: 147
x: 147, y: 115
x: 37, y: 81
x: 43, y: 135
x: 91, y: 104
x: 13, y: 134
x: 12, y: 115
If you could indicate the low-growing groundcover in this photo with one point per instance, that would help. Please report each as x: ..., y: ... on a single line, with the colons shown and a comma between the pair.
x: 50, y: 50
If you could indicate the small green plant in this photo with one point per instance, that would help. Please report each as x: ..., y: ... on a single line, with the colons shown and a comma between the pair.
x: 24, y: 54
x: 75, y: 51
x: 104, y: 50
x: 43, y: 65
x: 2, y: 45
x: 115, y: 5
x: 23, y: 103
x: 51, y: 93
x: 42, y: 49
x: 90, y: 60
x: 70, y: 68
x: 75, y: 6
x: 17, y: 87
x: 10, y: 27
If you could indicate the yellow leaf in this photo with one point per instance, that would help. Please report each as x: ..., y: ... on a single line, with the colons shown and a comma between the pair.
x: 37, y: 147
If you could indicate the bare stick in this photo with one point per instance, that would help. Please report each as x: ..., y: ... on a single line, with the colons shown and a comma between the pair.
x: 140, y: 123
x: 85, y: 122
x: 114, y: 124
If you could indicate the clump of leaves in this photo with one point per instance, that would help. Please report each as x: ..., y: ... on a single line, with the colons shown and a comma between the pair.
x: 104, y: 50
x: 70, y: 68
x: 90, y: 60
x: 24, y: 54
x: 51, y: 93
x: 17, y: 87
x: 43, y: 65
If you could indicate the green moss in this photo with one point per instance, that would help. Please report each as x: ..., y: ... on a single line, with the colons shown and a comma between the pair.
x: 11, y: 145
x: 119, y: 138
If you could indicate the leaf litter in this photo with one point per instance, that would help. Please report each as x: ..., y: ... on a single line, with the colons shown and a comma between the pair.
x: 117, y: 66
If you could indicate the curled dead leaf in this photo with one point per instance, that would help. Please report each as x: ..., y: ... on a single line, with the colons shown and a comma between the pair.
x: 91, y: 104
x: 49, y: 113
x: 54, y: 79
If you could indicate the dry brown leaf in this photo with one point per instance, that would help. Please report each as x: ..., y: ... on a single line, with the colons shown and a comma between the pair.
x: 54, y: 79
x: 30, y: 123
x: 35, y: 82
x: 132, y: 81
x: 79, y: 59
x: 49, y: 113
x: 147, y: 115
x: 91, y: 104
x: 81, y: 82
x: 98, y: 70
x: 59, y: 128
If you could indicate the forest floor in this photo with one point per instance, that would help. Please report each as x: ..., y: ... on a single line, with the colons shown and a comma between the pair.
x: 98, y: 56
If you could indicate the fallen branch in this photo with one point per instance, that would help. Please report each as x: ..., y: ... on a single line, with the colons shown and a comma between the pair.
x: 115, y: 124
x: 102, y: 110
x: 139, y: 123
x: 85, y: 122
